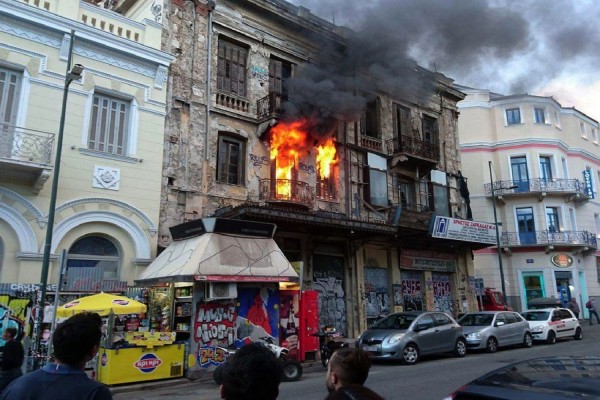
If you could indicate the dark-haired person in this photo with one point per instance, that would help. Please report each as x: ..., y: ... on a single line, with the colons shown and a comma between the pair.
x: 12, y: 358
x: 347, y: 367
x: 353, y: 392
x: 75, y: 342
x: 253, y: 372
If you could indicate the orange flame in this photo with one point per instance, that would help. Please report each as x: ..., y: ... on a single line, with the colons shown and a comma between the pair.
x: 326, y: 158
x: 288, y: 141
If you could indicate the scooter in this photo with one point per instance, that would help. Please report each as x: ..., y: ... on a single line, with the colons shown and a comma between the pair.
x: 328, y: 344
x: 292, y: 369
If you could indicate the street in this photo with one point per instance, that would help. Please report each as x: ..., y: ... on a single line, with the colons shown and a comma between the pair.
x: 431, y: 378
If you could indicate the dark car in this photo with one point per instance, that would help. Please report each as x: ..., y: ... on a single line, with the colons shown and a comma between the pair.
x: 406, y: 336
x: 559, y: 377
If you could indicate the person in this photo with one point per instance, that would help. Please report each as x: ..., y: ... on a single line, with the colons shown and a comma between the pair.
x: 253, y: 372
x: 75, y: 342
x: 347, y: 367
x: 573, y: 306
x: 12, y: 358
x: 591, y: 306
x: 353, y: 392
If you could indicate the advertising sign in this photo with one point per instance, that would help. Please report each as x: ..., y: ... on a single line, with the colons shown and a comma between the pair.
x: 562, y: 260
x: 465, y: 230
x: 589, y: 183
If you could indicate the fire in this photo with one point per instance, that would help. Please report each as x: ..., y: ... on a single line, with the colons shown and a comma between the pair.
x: 288, y: 139
x: 326, y: 158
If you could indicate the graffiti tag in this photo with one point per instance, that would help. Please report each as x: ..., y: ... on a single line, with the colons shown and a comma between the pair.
x: 258, y: 161
x: 215, y: 322
x: 307, y: 168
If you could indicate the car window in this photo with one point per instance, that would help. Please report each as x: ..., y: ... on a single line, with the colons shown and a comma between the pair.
x: 426, y: 320
x: 442, y: 319
x: 535, y: 315
x: 555, y: 314
x: 511, y: 318
x: 476, y: 320
x: 564, y: 314
x: 501, y: 318
x: 394, y: 321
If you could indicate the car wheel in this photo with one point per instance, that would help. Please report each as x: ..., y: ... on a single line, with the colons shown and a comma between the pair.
x: 292, y: 370
x: 460, y: 349
x: 551, y: 339
x: 492, y: 345
x: 410, y: 354
x: 578, y: 334
x: 528, y: 340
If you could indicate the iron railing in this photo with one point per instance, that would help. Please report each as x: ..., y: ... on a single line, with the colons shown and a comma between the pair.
x: 414, y: 147
x: 22, y: 144
x: 536, y: 185
x: 564, y: 238
x: 288, y: 191
x: 269, y: 105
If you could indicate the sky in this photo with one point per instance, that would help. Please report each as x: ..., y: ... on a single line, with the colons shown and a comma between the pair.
x: 540, y: 47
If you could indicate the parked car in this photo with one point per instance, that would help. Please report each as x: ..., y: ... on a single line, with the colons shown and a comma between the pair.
x: 492, y: 300
x: 406, y: 336
x: 547, y: 378
x: 492, y: 329
x: 543, y: 302
x: 549, y: 324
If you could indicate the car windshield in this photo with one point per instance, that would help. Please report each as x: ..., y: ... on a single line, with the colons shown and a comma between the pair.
x: 396, y: 321
x: 535, y: 315
x: 476, y: 320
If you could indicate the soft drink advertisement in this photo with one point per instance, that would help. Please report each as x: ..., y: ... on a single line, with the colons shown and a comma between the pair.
x: 289, y: 321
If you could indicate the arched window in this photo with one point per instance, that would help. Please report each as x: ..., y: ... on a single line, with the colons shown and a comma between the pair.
x: 93, y: 256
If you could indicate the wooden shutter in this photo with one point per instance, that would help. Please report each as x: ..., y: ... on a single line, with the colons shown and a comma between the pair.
x: 367, y: 184
x: 275, y: 77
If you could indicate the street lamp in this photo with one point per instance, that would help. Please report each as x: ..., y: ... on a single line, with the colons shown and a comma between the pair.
x: 72, y: 74
x: 498, y: 229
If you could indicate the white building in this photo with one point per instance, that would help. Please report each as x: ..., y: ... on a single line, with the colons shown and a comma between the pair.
x: 545, y: 170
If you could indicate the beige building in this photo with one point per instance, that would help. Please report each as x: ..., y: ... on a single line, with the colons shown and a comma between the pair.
x: 108, y: 197
x: 545, y: 172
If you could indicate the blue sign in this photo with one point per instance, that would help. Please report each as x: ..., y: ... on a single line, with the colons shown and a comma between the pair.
x: 589, y: 183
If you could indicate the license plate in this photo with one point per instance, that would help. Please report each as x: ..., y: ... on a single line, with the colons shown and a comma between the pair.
x: 369, y: 348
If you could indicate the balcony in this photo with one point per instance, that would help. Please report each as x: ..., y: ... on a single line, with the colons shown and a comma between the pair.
x: 413, y: 151
x: 286, y: 191
x: 371, y: 143
x: 25, y: 156
x: 571, y: 189
x: 232, y: 102
x: 578, y: 240
x: 269, y: 106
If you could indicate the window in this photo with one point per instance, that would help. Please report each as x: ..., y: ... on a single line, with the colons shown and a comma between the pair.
x: 556, y: 119
x: 513, y: 116
x: 552, y: 219
x: 10, y: 85
x: 402, y: 121
x: 92, y: 258
x: 279, y: 74
x: 539, y: 116
x: 430, y: 130
x: 582, y: 129
x: 230, y: 162
x: 526, y: 225
x: 442, y: 319
x: 546, y: 168
x: 406, y: 193
x: 520, y: 174
x: 595, y: 135
x: 326, y: 188
x: 231, y: 68
x: 375, y: 176
x: 109, y: 126
x: 370, y: 123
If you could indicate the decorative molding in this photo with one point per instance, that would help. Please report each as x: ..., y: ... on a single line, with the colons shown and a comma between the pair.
x: 29, y: 206
x: 106, y: 178
x: 42, y: 57
x: 142, y: 262
x: 161, y: 76
x: 108, y: 156
x: 64, y: 47
x: 23, y: 231
x: 101, y: 200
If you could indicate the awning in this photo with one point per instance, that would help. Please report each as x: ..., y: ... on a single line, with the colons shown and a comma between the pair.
x: 220, y: 257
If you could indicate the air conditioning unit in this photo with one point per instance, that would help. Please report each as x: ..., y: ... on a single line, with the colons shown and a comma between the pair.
x: 222, y: 290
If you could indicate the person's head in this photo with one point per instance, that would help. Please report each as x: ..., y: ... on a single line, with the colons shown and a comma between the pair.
x: 9, y: 334
x: 76, y: 340
x: 573, y: 300
x: 253, y: 372
x: 353, y: 392
x: 347, y: 367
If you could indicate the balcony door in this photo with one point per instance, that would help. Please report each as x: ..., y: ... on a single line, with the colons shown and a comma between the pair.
x: 10, y: 84
x: 520, y: 175
x: 526, y: 225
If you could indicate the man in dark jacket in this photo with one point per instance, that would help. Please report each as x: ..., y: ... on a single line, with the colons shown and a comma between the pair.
x: 12, y: 358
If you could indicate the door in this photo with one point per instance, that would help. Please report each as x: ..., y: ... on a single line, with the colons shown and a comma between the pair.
x: 526, y: 225
x: 442, y: 293
x: 546, y: 169
x: 427, y: 339
x: 446, y: 332
x: 10, y: 85
x: 533, y: 285
x: 520, y: 175
x: 502, y: 329
x: 412, y: 295
x: 563, y: 281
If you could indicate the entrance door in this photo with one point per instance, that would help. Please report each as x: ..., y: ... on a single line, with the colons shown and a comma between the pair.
x: 526, y: 225
x: 328, y: 281
x: 442, y: 295
x: 412, y: 295
x: 563, y: 281
x: 520, y: 175
x: 533, y: 285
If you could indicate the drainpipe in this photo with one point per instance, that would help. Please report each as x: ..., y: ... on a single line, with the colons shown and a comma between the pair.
x: 210, y: 7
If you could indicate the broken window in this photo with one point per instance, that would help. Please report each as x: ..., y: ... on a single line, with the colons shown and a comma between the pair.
x: 370, y: 120
x: 402, y: 121
x: 430, y: 130
x: 326, y: 188
x: 231, y: 68
x: 279, y: 74
x: 230, y: 163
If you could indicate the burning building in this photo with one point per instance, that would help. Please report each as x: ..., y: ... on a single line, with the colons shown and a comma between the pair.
x: 275, y: 116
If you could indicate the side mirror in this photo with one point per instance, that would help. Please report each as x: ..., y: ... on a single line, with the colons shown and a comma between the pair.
x: 421, y: 327
x: 499, y: 323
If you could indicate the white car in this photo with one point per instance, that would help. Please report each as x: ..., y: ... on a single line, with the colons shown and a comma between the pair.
x: 549, y: 324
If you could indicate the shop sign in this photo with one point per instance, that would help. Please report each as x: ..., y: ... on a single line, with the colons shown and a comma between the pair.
x: 589, y: 183
x: 147, y: 363
x: 562, y: 260
x: 465, y: 230
x: 427, y: 261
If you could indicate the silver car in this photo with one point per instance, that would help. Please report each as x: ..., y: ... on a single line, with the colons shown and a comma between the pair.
x: 408, y: 335
x: 490, y: 330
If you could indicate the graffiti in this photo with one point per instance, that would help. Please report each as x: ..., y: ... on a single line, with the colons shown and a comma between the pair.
x: 211, y: 355
x: 332, y: 309
x: 258, y: 161
x: 442, y: 294
x: 259, y: 73
x: 307, y: 168
x: 397, y: 290
x: 15, y: 312
x: 377, y: 298
x: 215, y: 322
x: 411, y: 293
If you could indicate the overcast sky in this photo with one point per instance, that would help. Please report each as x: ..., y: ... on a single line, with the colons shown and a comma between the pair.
x: 541, y: 47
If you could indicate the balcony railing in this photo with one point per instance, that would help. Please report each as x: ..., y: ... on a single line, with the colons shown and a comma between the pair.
x: 564, y: 238
x: 413, y: 147
x: 371, y: 143
x: 287, y: 191
x: 537, y: 185
x: 233, y: 102
x: 269, y: 105
x: 26, y: 145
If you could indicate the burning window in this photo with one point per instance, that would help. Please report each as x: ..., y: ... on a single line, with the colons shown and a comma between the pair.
x: 230, y: 160
x: 288, y: 144
x: 326, y: 170
x: 231, y: 68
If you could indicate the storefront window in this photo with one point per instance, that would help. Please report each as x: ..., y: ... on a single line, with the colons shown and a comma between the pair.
x: 91, y: 260
x: 534, y: 286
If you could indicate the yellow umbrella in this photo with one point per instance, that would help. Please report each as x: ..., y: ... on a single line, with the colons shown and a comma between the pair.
x: 103, y: 304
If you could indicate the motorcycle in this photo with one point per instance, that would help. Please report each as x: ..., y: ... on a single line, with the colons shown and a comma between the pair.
x: 292, y: 369
x: 327, y: 343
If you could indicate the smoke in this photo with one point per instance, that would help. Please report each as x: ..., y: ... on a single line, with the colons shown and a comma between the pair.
x: 502, y: 45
